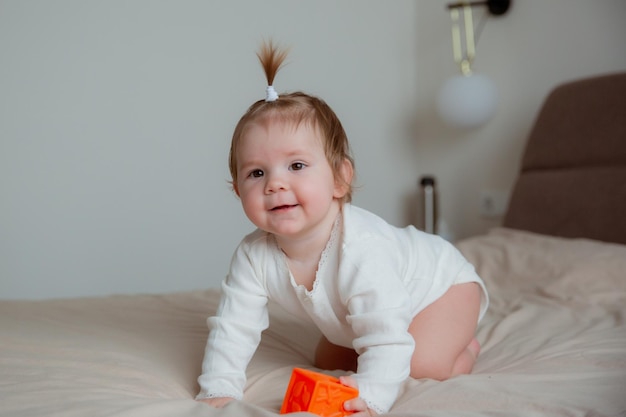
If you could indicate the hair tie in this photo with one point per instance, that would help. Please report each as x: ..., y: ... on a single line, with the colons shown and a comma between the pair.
x: 270, y: 94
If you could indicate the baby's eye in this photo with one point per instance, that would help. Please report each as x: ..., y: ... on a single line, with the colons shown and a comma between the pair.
x: 257, y: 173
x: 297, y: 166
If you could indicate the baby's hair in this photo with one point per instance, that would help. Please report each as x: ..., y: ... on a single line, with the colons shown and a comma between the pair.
x: 272, y: 59
x: 295, y: 108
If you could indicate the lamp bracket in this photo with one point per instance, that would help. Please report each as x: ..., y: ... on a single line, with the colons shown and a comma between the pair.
x: 495, y: 7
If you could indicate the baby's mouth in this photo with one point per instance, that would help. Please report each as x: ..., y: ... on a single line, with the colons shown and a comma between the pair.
x: 283, y: 207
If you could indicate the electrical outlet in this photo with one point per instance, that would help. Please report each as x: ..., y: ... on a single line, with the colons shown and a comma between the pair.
x: 493, y: 203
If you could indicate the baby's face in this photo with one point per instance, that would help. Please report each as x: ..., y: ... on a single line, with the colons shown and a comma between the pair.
x: 284, y: 180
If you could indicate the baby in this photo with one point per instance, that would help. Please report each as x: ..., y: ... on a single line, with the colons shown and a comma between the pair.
x: 390, y: 302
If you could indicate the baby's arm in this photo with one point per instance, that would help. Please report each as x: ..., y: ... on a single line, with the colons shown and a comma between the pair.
x: 379, y: 313
x: 235, y: 332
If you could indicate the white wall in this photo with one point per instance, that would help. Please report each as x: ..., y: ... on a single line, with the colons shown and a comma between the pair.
x: 116, y: 117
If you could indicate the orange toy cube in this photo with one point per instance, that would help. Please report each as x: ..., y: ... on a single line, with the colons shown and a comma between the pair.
x: 316, y: 393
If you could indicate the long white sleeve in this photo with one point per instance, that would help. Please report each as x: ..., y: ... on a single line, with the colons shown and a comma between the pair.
x: 235, y: 331
x: 379, y: 315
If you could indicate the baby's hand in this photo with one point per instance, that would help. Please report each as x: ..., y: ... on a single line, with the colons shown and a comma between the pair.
x: 358, y: 405
x: 217, y: 402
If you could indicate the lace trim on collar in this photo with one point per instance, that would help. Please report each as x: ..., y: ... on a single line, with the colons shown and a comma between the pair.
x: 328, y: 252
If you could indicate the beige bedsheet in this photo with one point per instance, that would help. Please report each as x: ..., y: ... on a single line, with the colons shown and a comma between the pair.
x: 554, y: 344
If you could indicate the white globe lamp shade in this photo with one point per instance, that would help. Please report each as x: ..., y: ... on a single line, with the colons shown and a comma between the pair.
x: 467, y: 101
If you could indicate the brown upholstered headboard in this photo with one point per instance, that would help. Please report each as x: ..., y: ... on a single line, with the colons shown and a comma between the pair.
x: 573, y: 173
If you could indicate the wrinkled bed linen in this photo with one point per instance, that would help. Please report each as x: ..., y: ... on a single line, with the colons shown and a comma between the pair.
x: 553, y: 344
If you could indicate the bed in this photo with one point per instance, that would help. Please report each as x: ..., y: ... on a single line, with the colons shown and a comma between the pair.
x: 554, y: 338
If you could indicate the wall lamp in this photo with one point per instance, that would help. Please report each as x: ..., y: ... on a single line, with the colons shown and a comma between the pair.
x: 468, y: 100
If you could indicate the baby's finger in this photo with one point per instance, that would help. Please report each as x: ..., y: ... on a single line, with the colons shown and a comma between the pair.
x: 348, y: 381
x: 355, y: 404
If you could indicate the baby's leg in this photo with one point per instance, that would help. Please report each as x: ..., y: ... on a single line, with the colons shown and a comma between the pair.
x: 444, y: 334
x: 330, y: 356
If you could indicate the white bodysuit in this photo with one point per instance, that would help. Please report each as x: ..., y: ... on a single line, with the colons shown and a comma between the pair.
x: 372, y: 279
